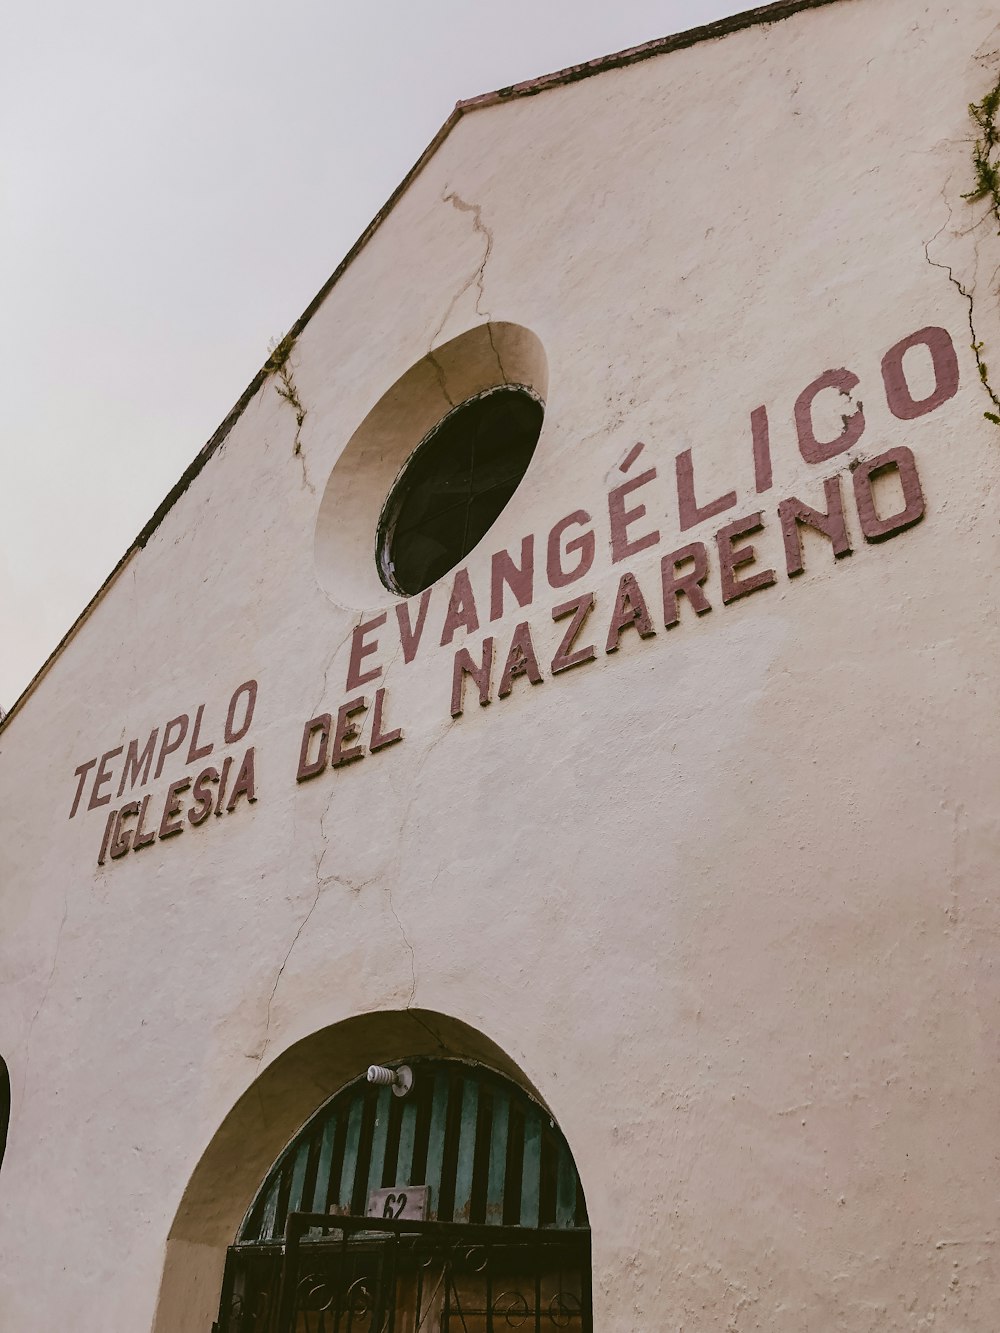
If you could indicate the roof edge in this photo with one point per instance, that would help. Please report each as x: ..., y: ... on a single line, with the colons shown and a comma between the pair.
x: 760, y: 15
x: 632, y: 55
x: 221, y: 433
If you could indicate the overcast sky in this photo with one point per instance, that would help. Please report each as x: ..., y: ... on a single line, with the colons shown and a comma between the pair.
x: 177, y: 182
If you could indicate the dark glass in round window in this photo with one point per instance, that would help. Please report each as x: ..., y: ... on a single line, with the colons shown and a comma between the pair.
x: 455, y: 487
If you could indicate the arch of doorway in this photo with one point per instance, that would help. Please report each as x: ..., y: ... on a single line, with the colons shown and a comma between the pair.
x: 267, y: 1116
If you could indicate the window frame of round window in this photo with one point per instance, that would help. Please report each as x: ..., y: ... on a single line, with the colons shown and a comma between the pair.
x: 400, y: 492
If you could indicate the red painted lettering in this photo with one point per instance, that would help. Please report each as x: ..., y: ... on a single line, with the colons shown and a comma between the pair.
x: 622, y: 546
x: 688, y: 508
x: 244, y: 784
x: 346, y: 730
x: 122, y: 839
x: 203, y: 796
x: 169, y: 744
x: 133, y: 761
x: 520, y: 579
x: 317, y: 726
x: 818, y: 451
x: 380, y: 739
x: 462, y: 613
x: 731, y: 559
x: 761, y: 430
x: 792, y: 513
x: 630, y: 612
x: 689, y: 583
x: 143, y: 837
x: 171, y: 821
x: 566, y: 656
x: 195, y: 752
x: 464, y: 666
x: 103, y: 776
x: 232, y: 732
x: 227, y: 765
x: 521, y: 661
x: 81, y: 773
x: 901, y: 402
x: 410, y: 635
x: 558, y: 575
x: 112, y: 821
x: 360, y: 649
x: 902, y: 462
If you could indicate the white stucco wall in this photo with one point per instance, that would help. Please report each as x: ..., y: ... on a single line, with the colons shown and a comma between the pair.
x: 726, y: 896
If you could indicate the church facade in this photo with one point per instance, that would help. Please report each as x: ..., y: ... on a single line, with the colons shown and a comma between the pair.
x: 514, y: 842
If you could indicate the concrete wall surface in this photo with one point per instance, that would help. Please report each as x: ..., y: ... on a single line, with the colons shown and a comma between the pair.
x: 724, y: 893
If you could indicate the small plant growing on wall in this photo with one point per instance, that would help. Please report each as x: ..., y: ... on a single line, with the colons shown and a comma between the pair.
x: 277, y: 365
x: 986, y: 186
x: 986, y: 162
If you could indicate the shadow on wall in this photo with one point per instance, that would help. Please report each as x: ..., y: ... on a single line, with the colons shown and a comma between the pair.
x: 263, y: 1121
x: 4, y: 1107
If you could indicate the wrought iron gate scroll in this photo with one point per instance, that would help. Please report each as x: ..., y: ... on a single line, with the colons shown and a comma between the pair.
x: 367, y: 1275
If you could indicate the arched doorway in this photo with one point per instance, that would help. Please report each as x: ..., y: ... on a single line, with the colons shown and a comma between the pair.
x: 453, y: 1206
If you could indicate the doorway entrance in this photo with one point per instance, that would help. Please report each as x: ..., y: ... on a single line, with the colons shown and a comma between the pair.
x: 455, y: 1207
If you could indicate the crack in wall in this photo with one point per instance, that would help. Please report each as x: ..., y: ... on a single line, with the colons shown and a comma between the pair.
x: 986, y: 186
x: 977, y: 343
x: 394, y: 874
x: 406, y: 941
x: 278, y: 365
x: 390, y: 875
x: 439, y: 370
x: 496, y: 352
x: 322, y: 881
x: 441, y: 736
x: 478, y: 225
x: 355, y: 622
x: 477, y: 277
x: 442, y: 1044
x: 320, y: 885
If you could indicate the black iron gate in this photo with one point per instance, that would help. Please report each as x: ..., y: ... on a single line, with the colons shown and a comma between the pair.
x: 366, y: 1275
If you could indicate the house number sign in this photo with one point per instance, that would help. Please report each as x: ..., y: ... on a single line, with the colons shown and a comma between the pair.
x: 406, y: 1201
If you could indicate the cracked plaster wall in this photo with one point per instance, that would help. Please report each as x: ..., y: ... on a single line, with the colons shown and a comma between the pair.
x: 728, y: 898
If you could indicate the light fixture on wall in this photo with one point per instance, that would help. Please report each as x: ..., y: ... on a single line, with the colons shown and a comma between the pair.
x: 400, y: 1080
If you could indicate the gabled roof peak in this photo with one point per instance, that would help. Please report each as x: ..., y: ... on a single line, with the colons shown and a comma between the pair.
x: 758, y: 16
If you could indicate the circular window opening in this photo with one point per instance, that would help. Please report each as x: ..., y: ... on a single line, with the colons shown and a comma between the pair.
x: 455, y: 485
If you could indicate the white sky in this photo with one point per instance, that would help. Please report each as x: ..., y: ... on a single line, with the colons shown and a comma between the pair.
x: 177, y: 182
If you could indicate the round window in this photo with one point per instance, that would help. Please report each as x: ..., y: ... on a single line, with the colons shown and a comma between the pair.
x: 455, y: 485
